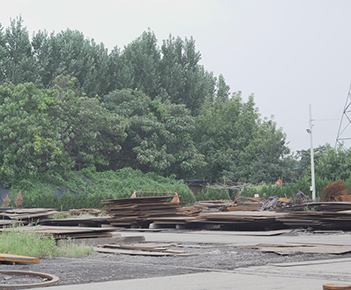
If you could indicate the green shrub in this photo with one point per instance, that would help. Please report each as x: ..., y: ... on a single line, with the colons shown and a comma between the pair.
x: 87, y: 188
x: 212, y: 193
x: 17, y: 242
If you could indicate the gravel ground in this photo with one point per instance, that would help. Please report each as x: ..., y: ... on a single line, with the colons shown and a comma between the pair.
x: 107, y: 267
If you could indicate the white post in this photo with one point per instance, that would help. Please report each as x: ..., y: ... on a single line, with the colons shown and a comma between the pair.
x: 313, y: 187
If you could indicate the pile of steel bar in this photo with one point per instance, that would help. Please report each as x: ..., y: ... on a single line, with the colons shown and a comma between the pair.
x: 242, y: 220
x: 144, y: 249
x: 140, y: 210
x: 16, y: 259
x: 320, y: 206
x: 326, y: 220
x: 11, y: 223
x: 27, y: 214
x: 214, y: 205
x: 69, y: 222
x: 66, y: 232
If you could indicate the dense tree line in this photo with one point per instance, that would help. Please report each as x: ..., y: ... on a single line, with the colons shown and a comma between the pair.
x: 172, y: 71
x: 67, y: 103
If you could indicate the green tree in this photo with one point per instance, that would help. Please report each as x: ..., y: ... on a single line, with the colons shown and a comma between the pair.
x: 40, y: 50
x: 18, y: 60
x: 98, y: 81
x: 223, y: 90
x: 70, y: 53
x: 140, y: 59
x: 28, y: 146
x: 304, y: 158
x: 267, y: 157
x: 53, y: 131
x: 158, y: 134
x: 88, y: 131
x: 121, y: 72
x: 182, y: 78
x: 3, y: 58
x: 224, y: 128
x: 332, y: 163
x: 237, y: 144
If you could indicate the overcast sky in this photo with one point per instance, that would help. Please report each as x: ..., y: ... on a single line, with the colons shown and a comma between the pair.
x: 288, y: 53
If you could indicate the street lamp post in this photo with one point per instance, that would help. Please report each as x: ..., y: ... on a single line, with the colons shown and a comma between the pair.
x: 313, y: 187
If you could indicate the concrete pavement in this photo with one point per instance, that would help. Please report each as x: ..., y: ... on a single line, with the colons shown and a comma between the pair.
x: 264, y: 278
x: 288, y: 276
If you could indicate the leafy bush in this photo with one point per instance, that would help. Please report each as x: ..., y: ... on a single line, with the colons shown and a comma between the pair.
x: 87, y: 188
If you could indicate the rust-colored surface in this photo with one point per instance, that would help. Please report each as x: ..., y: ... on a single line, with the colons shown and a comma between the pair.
x: 335, y: 192
x: 336, y: 286
x: 140, y: 210
x: 48, y: 279
x: 16, y: 259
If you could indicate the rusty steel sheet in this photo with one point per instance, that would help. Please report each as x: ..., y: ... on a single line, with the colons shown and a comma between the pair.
x: 17, y: 259
x: 139, y: 250
x: 142, y: 210
x: 65, y: 232
x: 336, y: 250
x: 48, y: 279
x: 24, y: 214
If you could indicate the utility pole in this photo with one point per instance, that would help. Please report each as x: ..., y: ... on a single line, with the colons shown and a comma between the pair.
x: 344, y: 136
x: 313, y: 187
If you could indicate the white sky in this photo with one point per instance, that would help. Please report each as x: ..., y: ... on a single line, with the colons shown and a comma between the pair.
x: 288, y: 53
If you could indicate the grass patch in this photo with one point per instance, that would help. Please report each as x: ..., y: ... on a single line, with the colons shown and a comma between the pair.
x: 71, y: 250
x: 30, y: 244
x: 16, y: 242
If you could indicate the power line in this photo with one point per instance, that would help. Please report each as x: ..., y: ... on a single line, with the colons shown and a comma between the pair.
x: 345, y: 122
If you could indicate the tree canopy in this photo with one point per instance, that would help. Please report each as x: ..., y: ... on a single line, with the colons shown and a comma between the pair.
x: 67, y: 103
x: 158, y: 134
x: 53, y: 130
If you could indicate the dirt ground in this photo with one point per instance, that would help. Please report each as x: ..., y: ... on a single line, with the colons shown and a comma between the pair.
x: 107, y: 267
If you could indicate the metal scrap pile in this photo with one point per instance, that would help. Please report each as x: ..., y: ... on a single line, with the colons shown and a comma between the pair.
x: 248, y: 203
x: 275, y: 202
x: 144, y: 210
x: 240, y: 203
x: 213, y: 205
x: 282, y: 203
x: 335, y: 192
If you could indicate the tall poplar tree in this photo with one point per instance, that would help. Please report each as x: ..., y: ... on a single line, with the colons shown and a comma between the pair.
x: 18, y: 60
x: 140, y: 59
